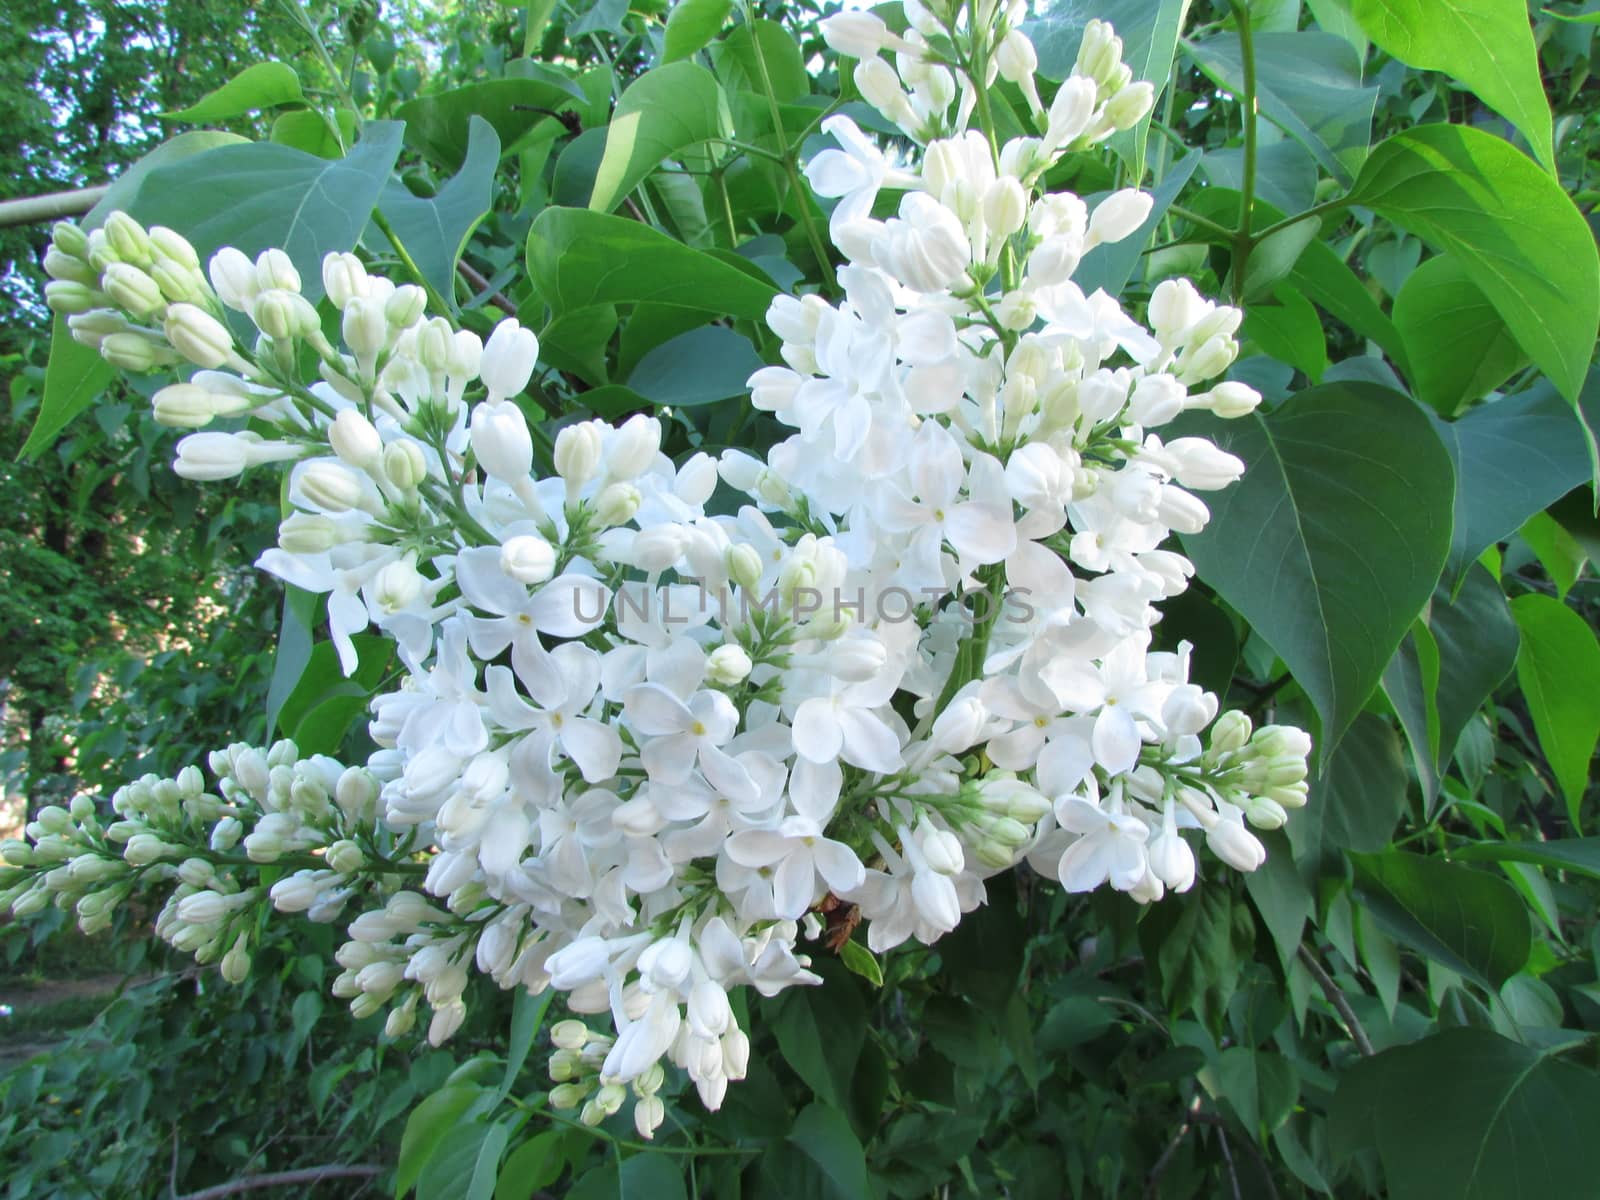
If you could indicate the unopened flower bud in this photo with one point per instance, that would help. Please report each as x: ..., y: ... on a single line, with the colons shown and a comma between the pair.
x: 1235, y: 845
x: 1231, y: 731
x: 233, y: 278
x: 128, y: 239
x: 355, y: 439
x: 133, y: 352
x: 275, y: 270
x: 528, y: 558
x: 501, y: 440
x: 70, y: 298
x: 509, y: 357
x: 634, y: 447
x: 855, y: 34
x: 405, y: 306
x: 69, y: 268
x: 364, y: 328
x: 743, y: 564
x: 331, y: 486
x: 1119, y: 215
x: 577, y: 455
x: 174, y: 247
x: 183, y: 406
x: 198, y: 336
x: 404, y: 464
x: 132, y: 290
x: 1005, y: 207
x: 69, y: 239
x: 1129, y: 106
x: 343, y: 278
x: 617, y: 503
x: 728, y: 665
x: 1231, y: 399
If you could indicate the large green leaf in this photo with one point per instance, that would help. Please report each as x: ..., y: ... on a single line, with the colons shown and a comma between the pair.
x: 1485, y: 44
x: 1457, y: 342
x: 1357, y: 802
x: 263, y: 85
x: 691, y: 24
x: 1511, y: 227
x: 1514, y: 458
x: 1470, y: 1115
x: 1332, y: 542
x: 1477, y: 643
x: 699, y: 367
x: 1110, y: 266
x: 1307, y: 84
x: 1564, y: 854
x: 324, y: 703
x: 834, y: 1165
x: 435, y: 231
x: 578, y: 258
x: 260, y: 195
x: 748, y: 62
x: 76, y: 375
x: 1558, y: 669
x: 74, y: 379
x: 1324, y: 278
x: 1196, y: 945
x: 663, y: 112
x: 1470, y: 921
x: 440, y: 126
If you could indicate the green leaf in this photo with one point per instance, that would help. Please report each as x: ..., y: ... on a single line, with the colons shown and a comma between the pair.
x: 74, y: 379
x: 1358, y: 801
x: 1564, y: 854
x: 1289, y: 331
x: 1511, y: 227
x: 736, y: 60
x: 1473, y: 1116
x: 1513, y: 458
x: 862, y: 962
x: 1477, y: 640
x: 1485, y: 44
x: 1458, y: 345
x: 125, y: 189
x: 691, y: 24
x: 1110, y: 266
x: 1196, y: 945
x: 699, y: 367
x: 1466, y: 920
x: 663, y: 112
x: 578, y: 258
x: 264, y: 85
x: 293, y: 653
x: 820, y: 1036
x: 1261, y: 1085
x: 1558, y: 669
x: 324, y: 703
x: 1280, y: 892
x: 260, y: 195
x: 1307, y: 84
x: 527, y: 1018
x: 308, y: 130
x: 486, y: 1169
x: 1411, y: 681
x: 825, y: 1138
x: 435, y: 231
x: 1327, y: 281
x: 1332, y: 542
x: 426, y: 1129
x: 440, y: 126
x: 535, y: 1164
x: 1558, y: 552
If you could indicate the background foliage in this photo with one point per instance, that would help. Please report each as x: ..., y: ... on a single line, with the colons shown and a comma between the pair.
x: 1399, y: 1002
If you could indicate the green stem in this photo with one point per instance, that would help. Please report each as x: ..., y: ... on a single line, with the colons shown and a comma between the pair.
x: 1247, y: 196
x: 437, y: 301
x: 341, y: 88
x: 790, y: 166
x: 1316, y: 210
x: 1194, y: 218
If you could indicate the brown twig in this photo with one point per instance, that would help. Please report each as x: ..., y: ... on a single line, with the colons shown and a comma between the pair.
x: 1341, y: 1005
x: 285, y: 1178
x: 480, y: 282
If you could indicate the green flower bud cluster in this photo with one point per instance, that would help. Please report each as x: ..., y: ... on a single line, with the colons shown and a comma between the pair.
x: 575, y: 1070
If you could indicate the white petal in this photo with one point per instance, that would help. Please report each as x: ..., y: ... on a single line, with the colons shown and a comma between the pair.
x: 817, y: 733
x: 595, y: 747
x: 653, y: 710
